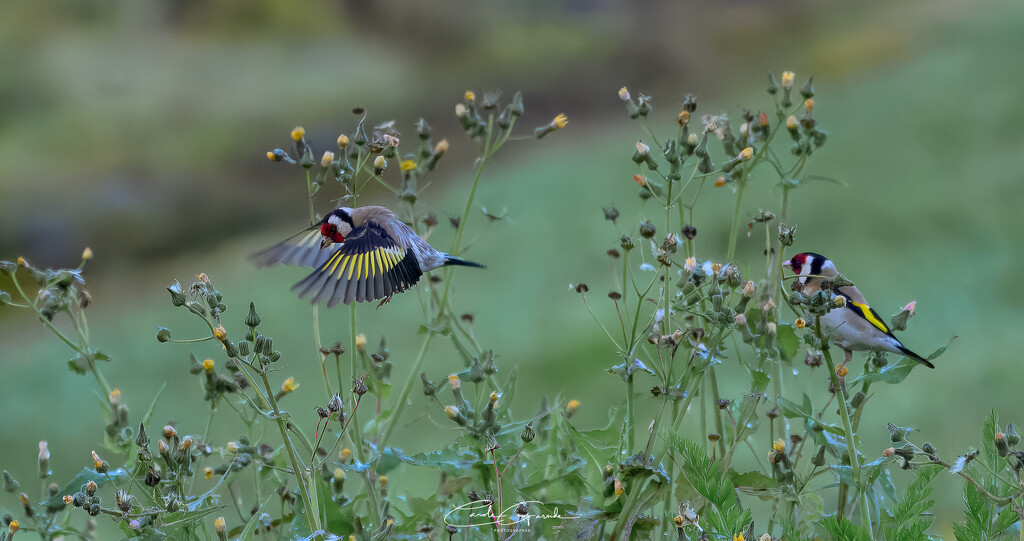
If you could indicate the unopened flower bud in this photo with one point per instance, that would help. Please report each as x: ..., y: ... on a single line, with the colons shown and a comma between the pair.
x: 527, y: 434
x: 1012, y: 437
x: 571, y: 408
x: 44, y: 460
x: 380, y: 163
x: 163, y: 334
x: 90, y: 488
x: 219, y: 525
x: 808, y: 89
x: 327, y: 158
x: 1001, y: 446
x: 896, y: 433
x: 454, y: 414
x: 298, y: 133
x: 99, y: 464
x: 342, y: 141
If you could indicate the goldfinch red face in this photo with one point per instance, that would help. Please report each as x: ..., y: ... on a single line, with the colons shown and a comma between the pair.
x: 808, y: 264
x: 335, y: 227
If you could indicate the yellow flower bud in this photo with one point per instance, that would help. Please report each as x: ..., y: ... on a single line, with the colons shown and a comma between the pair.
x: 451, y: 411
x: 791, y: 123
x: 624, y: 94
x: 344, y: 454
x: 683, y: 118
x: 800, y: 323
x: 13, y: 527
x: 219, y: 524
x: 342, y: 141
x: 572, y: 406
x: 841, y: 371
x: 719, y: 182
x: 289, y: 385
x: 360, y: 341
x: 208, y: 365
x: 408, y: 165
x: 232, y: 446
x: 298, y: 133
x: 494, y: 397
x: 115, y: 396
x: 327, y: 159
x: 779, y: 445
x: 747, y: 153
x: 383, y: 481
x: 220, y: 333
x: 809, y: 105
x: 97, y: 462
x: 787, y: 79
x: 442, y: 146
x: 87, y: 254
x: 737, y: 537
x: 272, y: 156
x: 470, y: 96
x: 619, y: 489
x: 207, y: 473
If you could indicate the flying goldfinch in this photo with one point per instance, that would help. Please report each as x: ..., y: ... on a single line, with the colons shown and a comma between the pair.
x: 855, y: 326
x: 360, y: 254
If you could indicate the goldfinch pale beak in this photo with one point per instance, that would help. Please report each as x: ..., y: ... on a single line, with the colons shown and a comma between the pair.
x: 325, y: 243
x: 787, y: 263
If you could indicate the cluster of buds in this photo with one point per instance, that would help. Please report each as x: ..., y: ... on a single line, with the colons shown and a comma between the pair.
x: 86, y: 498
x: 461, y: 413
x: 470, y: 113
x: 60, y: 290
x: 216, y: 383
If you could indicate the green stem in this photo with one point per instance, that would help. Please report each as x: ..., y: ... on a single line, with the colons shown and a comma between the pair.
x: 403, y: 395
x: 851, y: 444
x: 630, y: 428
x: 354, y: 421
x: 719, y: 427
x: 734, y: 230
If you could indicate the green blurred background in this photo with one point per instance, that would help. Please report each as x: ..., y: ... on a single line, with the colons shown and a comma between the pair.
x: 139, y: 128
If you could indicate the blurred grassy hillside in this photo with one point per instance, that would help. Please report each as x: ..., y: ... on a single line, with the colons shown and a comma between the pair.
x: 139, y: 128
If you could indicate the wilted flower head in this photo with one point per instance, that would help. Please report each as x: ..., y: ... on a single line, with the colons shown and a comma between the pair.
x: 624, y: 94
x: 787, y: 79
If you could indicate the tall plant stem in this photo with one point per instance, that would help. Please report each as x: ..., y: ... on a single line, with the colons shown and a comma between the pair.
x: 734, y: 230
x: 851, y: 444
x: 403, y: 395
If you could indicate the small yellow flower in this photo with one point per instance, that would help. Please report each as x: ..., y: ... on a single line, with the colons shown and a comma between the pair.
x: 220, y: 333
x: 289, y: 385
x: 360, y: 341
x: 719, y: 182
x: 624, y: 94
x: 454, y: 381
x: 298, y: 133
x: 460, y: 110
x: 342, y: 141
x: 408, y: 165
x: 207, y: 473
x: 327, y: 159
x: 344, y: 454
x: 841, y: 371
x: 619, y: 489
x: 219, y: 524
x: 24, y: 499
x: 494, y: 398
x: 679, y: 521
x: 800, y: 323
x: 747, y: 153
x: 22, y: 262
x: 87, y: 254
x: 383, y: 481
x: 69, y: 499
x: 737, y: 537
x: 691, y: 264
x: 809, y: 105
x: 186, y: 443
x: 470, y: 96
x: 170, y: 431
x: 839, y: 301
x: 208, y: 365
x: 115, y: 396
x: 451, y: 411
x: 97, y: 462
x: 779, y: 445
x: 683, y: 118
x: 559, y: 121
x: 791, y: 123
x: 232, y: 446
x: 572, y: 406
x: 716, y: 267
x: 13, y: 527
x: 787, y: 79
x: 442, y: 146
x: 272, y: 156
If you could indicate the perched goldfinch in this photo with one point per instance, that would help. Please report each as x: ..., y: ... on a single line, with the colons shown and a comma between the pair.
x: 854, y: 327
x: 375, y: 255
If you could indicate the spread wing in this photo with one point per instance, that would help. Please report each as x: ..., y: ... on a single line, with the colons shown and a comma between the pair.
x: 368, y: 266
x: 300, y: 249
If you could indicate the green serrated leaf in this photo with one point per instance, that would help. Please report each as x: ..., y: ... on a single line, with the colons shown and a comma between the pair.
x: 792, y: 409
x: 789, y: 343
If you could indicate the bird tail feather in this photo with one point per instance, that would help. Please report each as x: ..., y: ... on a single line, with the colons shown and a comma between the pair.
x: 907, y: 353
x: 450, y: 260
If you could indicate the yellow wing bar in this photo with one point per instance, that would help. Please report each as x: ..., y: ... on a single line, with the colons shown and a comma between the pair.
x: 867, y: 313
x: 364, y: 265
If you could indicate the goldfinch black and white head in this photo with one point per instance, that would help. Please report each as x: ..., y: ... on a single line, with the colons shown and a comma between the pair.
x: 855, y: 326
x: 358, y: 254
